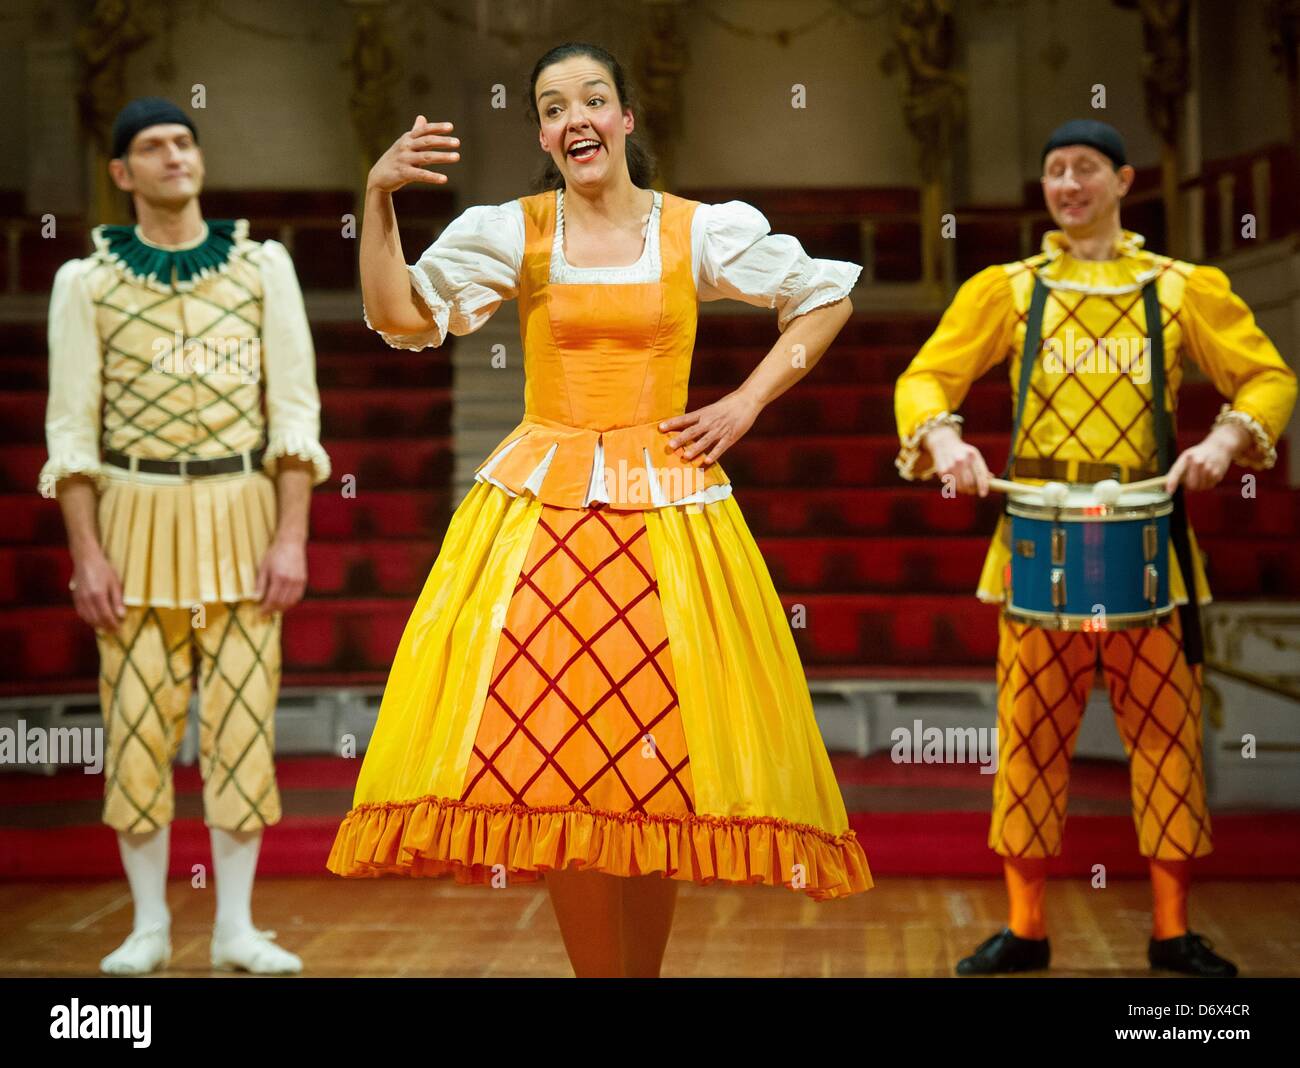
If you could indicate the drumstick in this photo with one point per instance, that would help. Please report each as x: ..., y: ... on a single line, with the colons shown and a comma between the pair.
x: 1054, y: 493
x: 1003, y: 486
x: 1146, y: 484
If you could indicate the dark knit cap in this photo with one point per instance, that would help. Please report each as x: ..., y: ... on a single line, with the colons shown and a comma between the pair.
x: 142, y: 113
x: 1095, y: 134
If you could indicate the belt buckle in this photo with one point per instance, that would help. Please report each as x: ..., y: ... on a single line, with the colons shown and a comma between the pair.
x: 184, y: 471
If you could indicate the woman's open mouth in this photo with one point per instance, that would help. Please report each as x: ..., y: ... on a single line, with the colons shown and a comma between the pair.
x: 584, y: 151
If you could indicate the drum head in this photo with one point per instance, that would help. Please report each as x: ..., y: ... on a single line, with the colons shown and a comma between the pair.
x: 1081, y: 504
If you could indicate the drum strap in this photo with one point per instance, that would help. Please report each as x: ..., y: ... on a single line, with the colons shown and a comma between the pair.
x: 1165, y: 442
x: 1166, y: 447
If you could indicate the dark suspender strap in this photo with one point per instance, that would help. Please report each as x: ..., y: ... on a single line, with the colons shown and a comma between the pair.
x: 1028, y: 358
x: 1156, y: 334
x: 1166, y: 450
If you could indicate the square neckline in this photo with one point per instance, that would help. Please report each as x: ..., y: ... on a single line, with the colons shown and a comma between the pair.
x: 649, y: 252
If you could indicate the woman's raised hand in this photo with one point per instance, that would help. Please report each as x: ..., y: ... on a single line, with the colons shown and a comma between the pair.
x: 410, y: 154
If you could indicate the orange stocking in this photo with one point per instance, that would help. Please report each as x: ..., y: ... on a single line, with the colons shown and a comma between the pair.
x: 1026, y: 887
x: 1169, y: 880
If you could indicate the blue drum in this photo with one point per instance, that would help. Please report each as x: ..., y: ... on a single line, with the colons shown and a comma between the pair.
x: 1088, y: 565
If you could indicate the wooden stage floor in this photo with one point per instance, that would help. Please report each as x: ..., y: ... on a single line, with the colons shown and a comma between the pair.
x: 396, y: 927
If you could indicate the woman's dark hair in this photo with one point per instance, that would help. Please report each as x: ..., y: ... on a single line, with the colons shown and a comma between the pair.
x: 640, y: 160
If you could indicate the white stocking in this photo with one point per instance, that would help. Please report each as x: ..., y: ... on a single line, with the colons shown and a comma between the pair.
x: 234, y: 856
x: 144, y: 856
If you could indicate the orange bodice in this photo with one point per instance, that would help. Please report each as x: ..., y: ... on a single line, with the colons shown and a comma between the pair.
x: 604, y: 363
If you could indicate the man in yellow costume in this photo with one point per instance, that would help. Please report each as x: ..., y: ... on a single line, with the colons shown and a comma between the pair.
x: 183, y: 427
x: 1085, y: 423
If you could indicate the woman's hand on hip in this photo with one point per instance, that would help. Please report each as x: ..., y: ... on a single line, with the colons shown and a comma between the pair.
x: 713, y: 429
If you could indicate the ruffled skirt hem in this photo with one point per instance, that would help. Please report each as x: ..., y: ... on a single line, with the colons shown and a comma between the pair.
x: 432, y: 837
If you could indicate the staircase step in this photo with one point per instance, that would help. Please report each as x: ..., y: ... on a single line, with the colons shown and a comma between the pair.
x: 389, y: 568
x: 828, y: 509
x: 386, y: 568
x: 1238, y: 568
x: 856, y: 408
x: 369, y: 366
x: 42, y: 646
x: 386, y: 413
x: 31, y: 520
x: 849, y: 408
x: 345, y: 413
x: 375, y: 464
x: 901, y: 511
x: 921, y: 510
x: 867, y: 460
x: 875, y: 564
x: 377, y: 366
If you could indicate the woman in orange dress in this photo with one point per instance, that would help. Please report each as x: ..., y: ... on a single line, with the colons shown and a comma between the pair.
x: 598, y: 684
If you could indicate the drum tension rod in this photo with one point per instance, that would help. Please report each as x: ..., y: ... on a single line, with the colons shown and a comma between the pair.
x: 1152, y: 585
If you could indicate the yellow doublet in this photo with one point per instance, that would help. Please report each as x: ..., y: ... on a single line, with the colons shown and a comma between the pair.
x: 1090, y: 395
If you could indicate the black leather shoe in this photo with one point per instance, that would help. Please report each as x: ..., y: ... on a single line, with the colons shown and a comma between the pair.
x: 1190, y: 954
x: 1006, y: 952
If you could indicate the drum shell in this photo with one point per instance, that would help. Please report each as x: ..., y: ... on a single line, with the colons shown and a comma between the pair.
x: 1107, y: 550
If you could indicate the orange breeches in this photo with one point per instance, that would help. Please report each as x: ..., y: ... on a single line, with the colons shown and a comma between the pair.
x: 1044, y: 677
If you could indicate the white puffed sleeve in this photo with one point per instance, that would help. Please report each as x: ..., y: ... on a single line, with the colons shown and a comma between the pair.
x: 72, y: 410
x: 738, y: 257
x: 288, y: 368
x: 466, y: 273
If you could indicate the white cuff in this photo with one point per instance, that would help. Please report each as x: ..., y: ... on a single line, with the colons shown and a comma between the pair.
x: 833, y: 281
x: 439, y: 310
x: 58, y: 467
x: 300, y: 444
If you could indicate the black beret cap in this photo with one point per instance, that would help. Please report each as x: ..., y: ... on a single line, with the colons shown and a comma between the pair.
x: 142, y: 113
x: 1095, y: 134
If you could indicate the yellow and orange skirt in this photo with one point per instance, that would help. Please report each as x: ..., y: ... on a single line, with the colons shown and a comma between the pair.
x: 612, y: 690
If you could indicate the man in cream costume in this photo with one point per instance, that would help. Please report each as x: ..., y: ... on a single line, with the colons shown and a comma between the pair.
x: 1087, y: 423
x: 183, y: 429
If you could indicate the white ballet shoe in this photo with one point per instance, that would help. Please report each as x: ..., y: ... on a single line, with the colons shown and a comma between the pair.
x: 252, y: 950
x: 145, y: 950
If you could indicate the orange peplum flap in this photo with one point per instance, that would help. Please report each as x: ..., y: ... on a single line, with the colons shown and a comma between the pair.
x: 640, y: 470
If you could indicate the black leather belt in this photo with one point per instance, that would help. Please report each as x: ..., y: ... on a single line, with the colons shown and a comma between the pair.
x: 217, y: 465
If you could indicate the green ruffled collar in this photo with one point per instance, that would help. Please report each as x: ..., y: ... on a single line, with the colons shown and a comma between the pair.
x: 170, y: 268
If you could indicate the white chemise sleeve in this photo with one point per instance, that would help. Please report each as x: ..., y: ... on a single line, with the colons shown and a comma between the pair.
x: 72, y: 411
x: 466, y: 273
x: 738, y: 257
x: 289, y: 369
